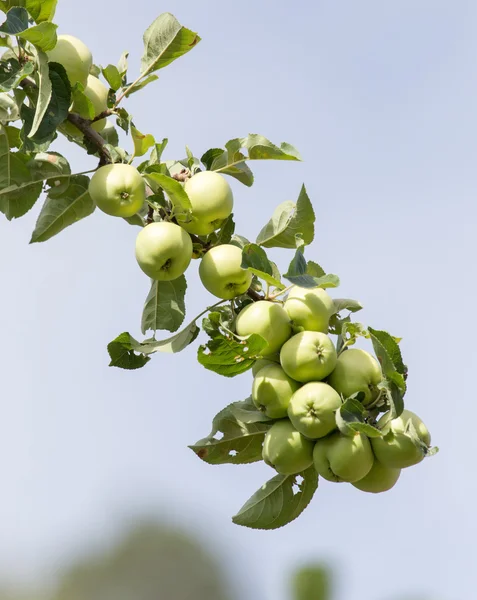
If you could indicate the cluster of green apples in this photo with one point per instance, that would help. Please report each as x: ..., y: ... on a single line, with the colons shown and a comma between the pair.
x: 77, y: 60
x: 301, y: 382
x: 164, y: 249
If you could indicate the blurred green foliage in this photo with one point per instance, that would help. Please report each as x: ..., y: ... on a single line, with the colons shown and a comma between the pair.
x: 156, y: 562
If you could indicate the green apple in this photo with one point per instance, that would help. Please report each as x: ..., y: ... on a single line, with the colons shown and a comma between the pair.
x: 211, y: 200
x: 308, y: 356
x: 312, y: 409
x: 97, y: 92
x: 286, y: 450
x: 75, y: 57
x: 163, y: 251
x: 264, y: 362
x: 272, y: 390
x: 221, y: 272
x: 343, y: 458
x: 397, y: 449
x: 267, y: 319
x: 118, y: 190
x: 379, y: 479
x: 356, y: 371
x: 310, y: 308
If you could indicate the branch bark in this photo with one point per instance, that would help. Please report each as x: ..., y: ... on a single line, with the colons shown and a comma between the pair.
x: 84, y: 125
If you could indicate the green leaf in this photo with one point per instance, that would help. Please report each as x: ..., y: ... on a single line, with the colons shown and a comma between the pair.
x: 13, y: 135
x: 123, y: 354
x: 230, y: 357
x: 240, y: 443
x: 44, y: 93
x: 81, y: 103
x: 124, y: 119
x: 297, y: 274
x: 173, y: 189
x: 9, y: 109
x: 314, y: 269
x: 6, y: 5
x: 346, y: 304
x: 141, y: 84
x: 113, y: 77
x: 255, y: 260
x: 351, y: 417
x: 18, y: 191
x: 231, y: 161
x: 55, y: 113
x: 279, y: 501
x: 246, y: 412
x: 16, y: 22
x: 12, y: 73
x: 165, y: 41
x: 43, y: 36
x: 110, y: 134
x: 392, y: 349
x: 165, y: 306
x: 288, y: 221
x: 123, y: 65
x: 225, y: 233
x: 41, y: 10
x: 142, y: 142
x: 62, y: 210
x: 173, y: 344
x: 156, y: 152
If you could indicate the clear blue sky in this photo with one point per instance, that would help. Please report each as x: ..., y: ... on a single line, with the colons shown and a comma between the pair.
x: 380, y: 98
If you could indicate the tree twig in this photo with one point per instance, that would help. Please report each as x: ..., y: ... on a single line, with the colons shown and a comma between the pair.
x: 84, y: 125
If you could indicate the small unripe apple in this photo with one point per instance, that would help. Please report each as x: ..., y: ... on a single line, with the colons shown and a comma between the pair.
x: 308, y: 356
x: 264, y: 362
x: 118, y: 190
x: 272, y: 390
x: 356, y: 371
x: 74, y: 56
x: 163, y: 251
x: 97, y: 92
x: 286, y: 450
x: 310, y: 308
x: 211, y: 200
x: 343, y: 458
x: 397, y: 449
x: 267, y: 319
x: 312, y: 409
x: 221, y: 272
x: 379, y: 479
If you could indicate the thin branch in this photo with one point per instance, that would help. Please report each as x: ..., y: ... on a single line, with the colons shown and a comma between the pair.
x: 84, y: 125
x: 103, y: 115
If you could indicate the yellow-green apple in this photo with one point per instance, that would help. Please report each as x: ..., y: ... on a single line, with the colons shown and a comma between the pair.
x: 272, y: 390
x: 308, y: 356
x: 340, y: 457
x: 211, y: 201
x: 312, y: 409
x: 163, y: 250
x: 396, y: 448
x: 75, y: 57
x: 379, y: 479
x: 264, y: 362
x: 118, y: 190
x: 286, y: 450
x: 221, y: 272
x: 356, y: 371
x: 97, y: 92
x: 267, y: 319
x: 309, y: 308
